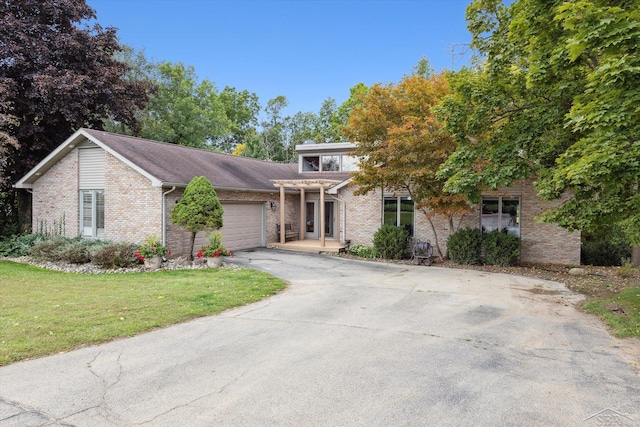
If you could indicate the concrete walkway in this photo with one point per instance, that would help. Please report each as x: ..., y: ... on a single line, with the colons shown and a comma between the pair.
x: 349, y: 343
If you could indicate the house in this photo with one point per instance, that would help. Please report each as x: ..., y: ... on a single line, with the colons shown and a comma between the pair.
x: 118, y: 187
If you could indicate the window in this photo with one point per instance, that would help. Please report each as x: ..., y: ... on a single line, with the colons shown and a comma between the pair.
x: 329, y: 163
x: 501, y: 213
x: 311, y: 164
x: 349, y: 163
x: 92, y: 213
x: 398, y: 211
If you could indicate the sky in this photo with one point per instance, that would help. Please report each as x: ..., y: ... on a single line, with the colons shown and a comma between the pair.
x: 306, y: 50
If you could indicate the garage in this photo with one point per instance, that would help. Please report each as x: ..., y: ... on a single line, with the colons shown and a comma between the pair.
x: 243, y: 225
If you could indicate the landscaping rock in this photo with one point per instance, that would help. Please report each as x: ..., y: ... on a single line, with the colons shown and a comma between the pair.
x: 578, y: 272
x: 90, y: 268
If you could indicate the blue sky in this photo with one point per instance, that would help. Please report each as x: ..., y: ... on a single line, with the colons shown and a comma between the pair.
x: 305, y: 50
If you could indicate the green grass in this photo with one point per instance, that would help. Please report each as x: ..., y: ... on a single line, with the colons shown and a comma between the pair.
x: 44, y: 312
x: 621, y: 311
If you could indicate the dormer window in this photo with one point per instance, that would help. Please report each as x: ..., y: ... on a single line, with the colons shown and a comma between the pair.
x: 329, y: 163
x: 328, y: 157
x: 311, y: 164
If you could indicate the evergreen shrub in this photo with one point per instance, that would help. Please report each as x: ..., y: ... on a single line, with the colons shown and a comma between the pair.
x: 390, y: 242
x: 465, y: 246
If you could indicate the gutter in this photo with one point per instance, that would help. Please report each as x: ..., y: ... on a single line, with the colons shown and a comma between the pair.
x: 343, y: 238
x: 164, y: 216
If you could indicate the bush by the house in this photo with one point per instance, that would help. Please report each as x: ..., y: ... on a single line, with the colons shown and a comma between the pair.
x: 112, y: 255
x: 19, y: 245
x: 606, y: 248
x: 390, y: 242
x: 77, y: 250
x: 465, y: 246
x: 74, y: 250
x: 501, y: 248
x: 362, y: 251
x: 49, y: 249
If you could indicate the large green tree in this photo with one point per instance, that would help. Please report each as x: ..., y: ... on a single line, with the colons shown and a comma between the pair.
x: 557, y: 98
x: 185, y: 110
x: 401, y: 145
x: 241, y: 109
x: 57, y: 74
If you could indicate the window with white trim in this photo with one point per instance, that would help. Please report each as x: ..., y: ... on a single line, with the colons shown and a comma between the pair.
x: 329, y: 163
x: 399, y: 211
x: 501, y: 213
x: 92, y: 213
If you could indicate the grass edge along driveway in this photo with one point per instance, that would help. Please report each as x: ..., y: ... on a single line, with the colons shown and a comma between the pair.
x: 43, y: 312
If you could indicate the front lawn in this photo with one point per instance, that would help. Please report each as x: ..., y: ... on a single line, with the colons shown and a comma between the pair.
x: 44, y: 312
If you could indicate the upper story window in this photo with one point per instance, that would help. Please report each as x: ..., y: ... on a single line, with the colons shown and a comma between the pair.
x: 329, y: 163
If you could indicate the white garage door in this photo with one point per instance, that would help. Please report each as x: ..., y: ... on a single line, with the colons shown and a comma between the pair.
x: 243, y: 225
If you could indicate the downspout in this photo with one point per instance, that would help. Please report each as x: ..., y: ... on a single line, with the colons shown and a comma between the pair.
x: 343, y: 218
x: 164, y: 216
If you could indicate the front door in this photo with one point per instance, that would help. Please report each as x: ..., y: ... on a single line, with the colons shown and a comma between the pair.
x: 312, y: 219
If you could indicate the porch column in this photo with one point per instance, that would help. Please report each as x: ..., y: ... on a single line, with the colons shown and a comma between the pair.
x: 322, y: 216
x: 303, y: 223
x: 282, y: 216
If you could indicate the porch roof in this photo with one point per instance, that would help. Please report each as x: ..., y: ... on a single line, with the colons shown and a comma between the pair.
x: 306, y: 183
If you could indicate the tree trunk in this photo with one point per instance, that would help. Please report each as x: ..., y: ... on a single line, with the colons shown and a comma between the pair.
x: 635, y: 257
x: 435, y: 234
x: 193, y: 241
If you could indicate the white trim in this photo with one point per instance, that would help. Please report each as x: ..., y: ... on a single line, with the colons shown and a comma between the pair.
x: 327, y: 147
x: 335, y: 188
x: 70, y: 143
x: 155, y: 182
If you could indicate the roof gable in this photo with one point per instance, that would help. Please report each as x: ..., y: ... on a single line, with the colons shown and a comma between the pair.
x: 171, y: 164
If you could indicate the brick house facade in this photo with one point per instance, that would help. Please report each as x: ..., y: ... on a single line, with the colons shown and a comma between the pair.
x: 137, y: 182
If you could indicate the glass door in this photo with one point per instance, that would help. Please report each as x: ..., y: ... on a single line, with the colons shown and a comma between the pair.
x: 310, y: 230
x: 328, y: 219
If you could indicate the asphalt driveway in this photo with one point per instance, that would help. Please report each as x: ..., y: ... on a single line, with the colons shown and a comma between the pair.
x: 348, y: 343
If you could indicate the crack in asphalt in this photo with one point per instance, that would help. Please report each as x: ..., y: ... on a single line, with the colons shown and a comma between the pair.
x: 191, y: 402
x: 24, y: 409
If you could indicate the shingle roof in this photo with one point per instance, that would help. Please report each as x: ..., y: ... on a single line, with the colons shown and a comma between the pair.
x: 176, y: 164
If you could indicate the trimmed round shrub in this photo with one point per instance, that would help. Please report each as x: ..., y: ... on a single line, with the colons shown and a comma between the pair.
x: 111, y: 255
x: 390, y: 242
x: 465, y: 246
x: 501, y: 249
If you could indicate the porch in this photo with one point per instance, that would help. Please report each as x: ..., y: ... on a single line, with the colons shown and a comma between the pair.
x: 315, y: 246
x: 318, y: 224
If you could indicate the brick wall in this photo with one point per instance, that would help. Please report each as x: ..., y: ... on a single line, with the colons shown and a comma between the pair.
x: 178, y: 239
x: 132, y: 207
x: 56, y: 197
x: 541, y: 242
x: 363, y: 216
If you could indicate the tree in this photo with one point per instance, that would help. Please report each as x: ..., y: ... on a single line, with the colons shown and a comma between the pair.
x: 241, y: 109
x: 198, y: 209
x: 401, y: 145
x: 273, y: 127
x: 556, y: 97
x: 184, y: 111
x: 57, y: 74
x: 341, y: 116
